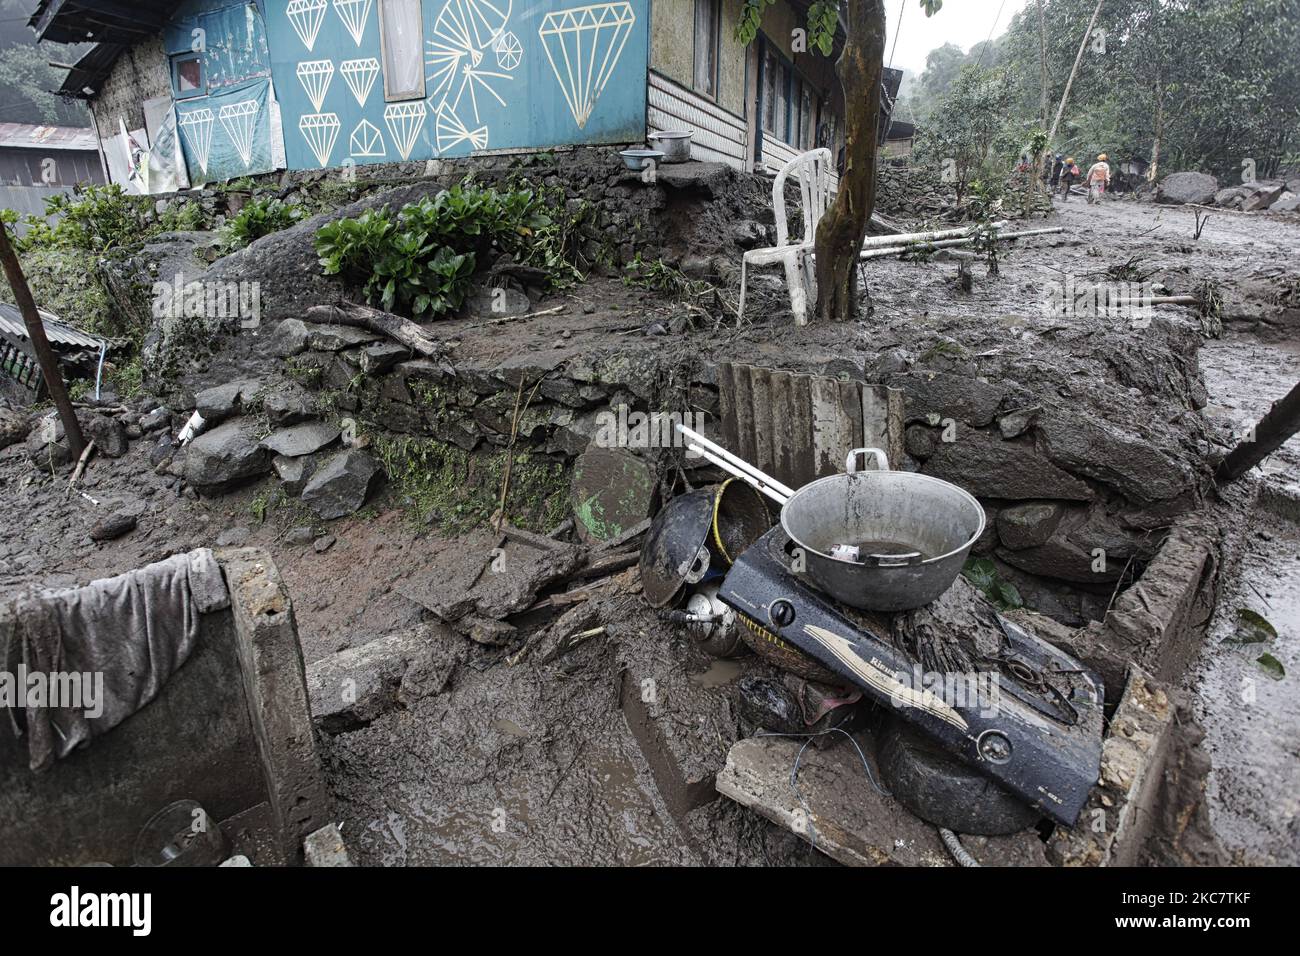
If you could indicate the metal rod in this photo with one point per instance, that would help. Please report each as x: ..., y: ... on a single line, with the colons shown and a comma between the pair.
x: 735, y: 472
x: 733, y: 465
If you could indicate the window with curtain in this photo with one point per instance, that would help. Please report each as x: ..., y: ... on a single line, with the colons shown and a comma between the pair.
x: 401, y: 35
x: 769, y: 93
x: 707, y: 16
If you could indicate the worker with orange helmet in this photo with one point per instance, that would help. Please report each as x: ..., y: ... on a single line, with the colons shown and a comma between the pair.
x: 1069, y: 176
x: 1098, y: 179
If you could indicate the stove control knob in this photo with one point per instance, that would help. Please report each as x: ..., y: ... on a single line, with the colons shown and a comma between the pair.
x: 781, y: 613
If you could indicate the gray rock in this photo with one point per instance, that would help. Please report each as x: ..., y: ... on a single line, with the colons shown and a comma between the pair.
x: 300, y: 536
x: 289, y: 339
x: 113, y: 527
x: 155, y: 420
x: 1130, y: 464
x: 225, y: 455
x: 295, y: 472
x: 14, y: 427
x: 1263, y: 197
x: 1229, y: 197
x: 298, y: 440
x: 987, y: 466
x: 336, y: 338
x: 382, y: 356
x: 324, y: 543
x: 1087, y: 547
x: 1014, y: 424
x: 163, y: 451
x: 233, y: 538
x: 109, y: 436
x: 959, y: 397
x: 341, y: 485
x: 1289, y: 202
x: 1030, y: 524
x: 225, y: 401
x: 288, y: 405
x: 1180, y: 188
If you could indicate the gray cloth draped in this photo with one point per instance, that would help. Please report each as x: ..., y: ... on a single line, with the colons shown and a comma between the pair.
x: 135, y: 630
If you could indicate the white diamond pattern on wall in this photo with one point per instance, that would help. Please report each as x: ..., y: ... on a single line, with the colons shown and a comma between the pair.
x: 355, y: 15
x: 239, y: 120
x: 360, y: 77
x: 321, y: 130
x: 405, y: 123
x: 583, y: 45
x: 197, y: 127
x: 315, y: 77
x: 306, y: 17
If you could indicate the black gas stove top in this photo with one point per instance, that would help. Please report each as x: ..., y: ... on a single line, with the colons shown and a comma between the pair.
x: 1031, y: 719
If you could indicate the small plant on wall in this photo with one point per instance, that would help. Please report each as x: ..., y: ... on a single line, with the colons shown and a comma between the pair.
x: 420, y: 261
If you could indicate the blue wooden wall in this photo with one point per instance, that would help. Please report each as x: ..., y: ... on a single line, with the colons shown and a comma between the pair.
x: 498, y: 74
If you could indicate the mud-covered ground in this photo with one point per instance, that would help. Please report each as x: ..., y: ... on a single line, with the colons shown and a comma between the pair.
x: 528, y: 765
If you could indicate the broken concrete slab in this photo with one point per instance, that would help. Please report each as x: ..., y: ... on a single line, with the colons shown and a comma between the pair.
x: 1117, y: 820
x: 341, y: 485
x: 355, y: 686
x: 294, y: 441
x: 839, y: 812
x: 325, y: 847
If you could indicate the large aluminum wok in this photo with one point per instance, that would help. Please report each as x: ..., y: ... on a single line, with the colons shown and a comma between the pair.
x: 877, y: 540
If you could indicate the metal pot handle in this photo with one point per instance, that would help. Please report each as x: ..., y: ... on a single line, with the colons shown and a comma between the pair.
x: 851, y: 466
x: 892, y: 560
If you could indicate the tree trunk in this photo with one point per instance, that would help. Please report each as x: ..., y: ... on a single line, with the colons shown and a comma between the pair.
x: 1153, y: 172
x: 842, y: 229
x: 1042, y: 50
x: 41, y: 345
x: 1083, y: 45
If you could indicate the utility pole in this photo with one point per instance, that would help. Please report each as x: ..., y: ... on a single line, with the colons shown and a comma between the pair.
x: 1083, y: 45
x: 40, y: 344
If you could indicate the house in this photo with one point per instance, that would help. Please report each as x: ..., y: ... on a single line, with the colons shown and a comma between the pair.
x: 197, y: 91
x: 37, y: 162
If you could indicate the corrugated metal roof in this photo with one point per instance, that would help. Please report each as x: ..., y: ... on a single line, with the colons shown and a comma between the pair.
x: 57, y: 331
x: 27, y: 136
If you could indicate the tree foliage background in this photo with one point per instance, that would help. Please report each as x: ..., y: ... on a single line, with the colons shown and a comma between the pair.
x: 1224, y: 75
x: 26, y: 76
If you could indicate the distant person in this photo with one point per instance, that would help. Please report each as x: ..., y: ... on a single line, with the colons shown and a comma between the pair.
x: 1057, y: 166
x: 1098, y: 179
x: 1069, y: 176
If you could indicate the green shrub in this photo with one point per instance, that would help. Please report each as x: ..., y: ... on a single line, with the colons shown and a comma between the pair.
x: 420, y: 261
x: 93, y: 219
x: 259, y: 218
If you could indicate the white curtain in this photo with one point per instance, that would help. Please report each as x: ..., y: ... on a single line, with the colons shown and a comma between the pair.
x: 403, y: 43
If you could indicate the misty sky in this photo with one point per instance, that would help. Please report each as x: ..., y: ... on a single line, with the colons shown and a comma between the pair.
x: 963, y: 22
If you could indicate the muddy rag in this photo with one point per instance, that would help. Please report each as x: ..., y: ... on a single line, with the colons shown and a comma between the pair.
x: 135, y: 630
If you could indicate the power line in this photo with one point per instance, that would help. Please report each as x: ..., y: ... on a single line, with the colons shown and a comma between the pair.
x: 902, y: 8
x: 991, y: 29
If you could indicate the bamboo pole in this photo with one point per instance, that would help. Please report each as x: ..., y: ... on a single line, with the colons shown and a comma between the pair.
x: 41, y: 345
x: 899, y: 250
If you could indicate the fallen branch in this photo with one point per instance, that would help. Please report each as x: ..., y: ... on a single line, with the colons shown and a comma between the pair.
x: 400, y: 330
x: 1272, y: 432
x: 81, y: 467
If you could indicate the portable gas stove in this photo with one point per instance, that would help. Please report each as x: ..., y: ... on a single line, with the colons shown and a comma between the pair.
x: 1039, y: 735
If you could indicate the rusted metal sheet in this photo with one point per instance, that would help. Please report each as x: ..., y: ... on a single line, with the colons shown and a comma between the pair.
x: 799, y: 427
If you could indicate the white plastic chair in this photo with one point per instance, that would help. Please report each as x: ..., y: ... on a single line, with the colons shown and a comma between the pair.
x: 812, y: 169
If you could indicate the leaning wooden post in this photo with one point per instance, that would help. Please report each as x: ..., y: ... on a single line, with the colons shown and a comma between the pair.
x: 1272, y: 432
x: 41, y: 345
